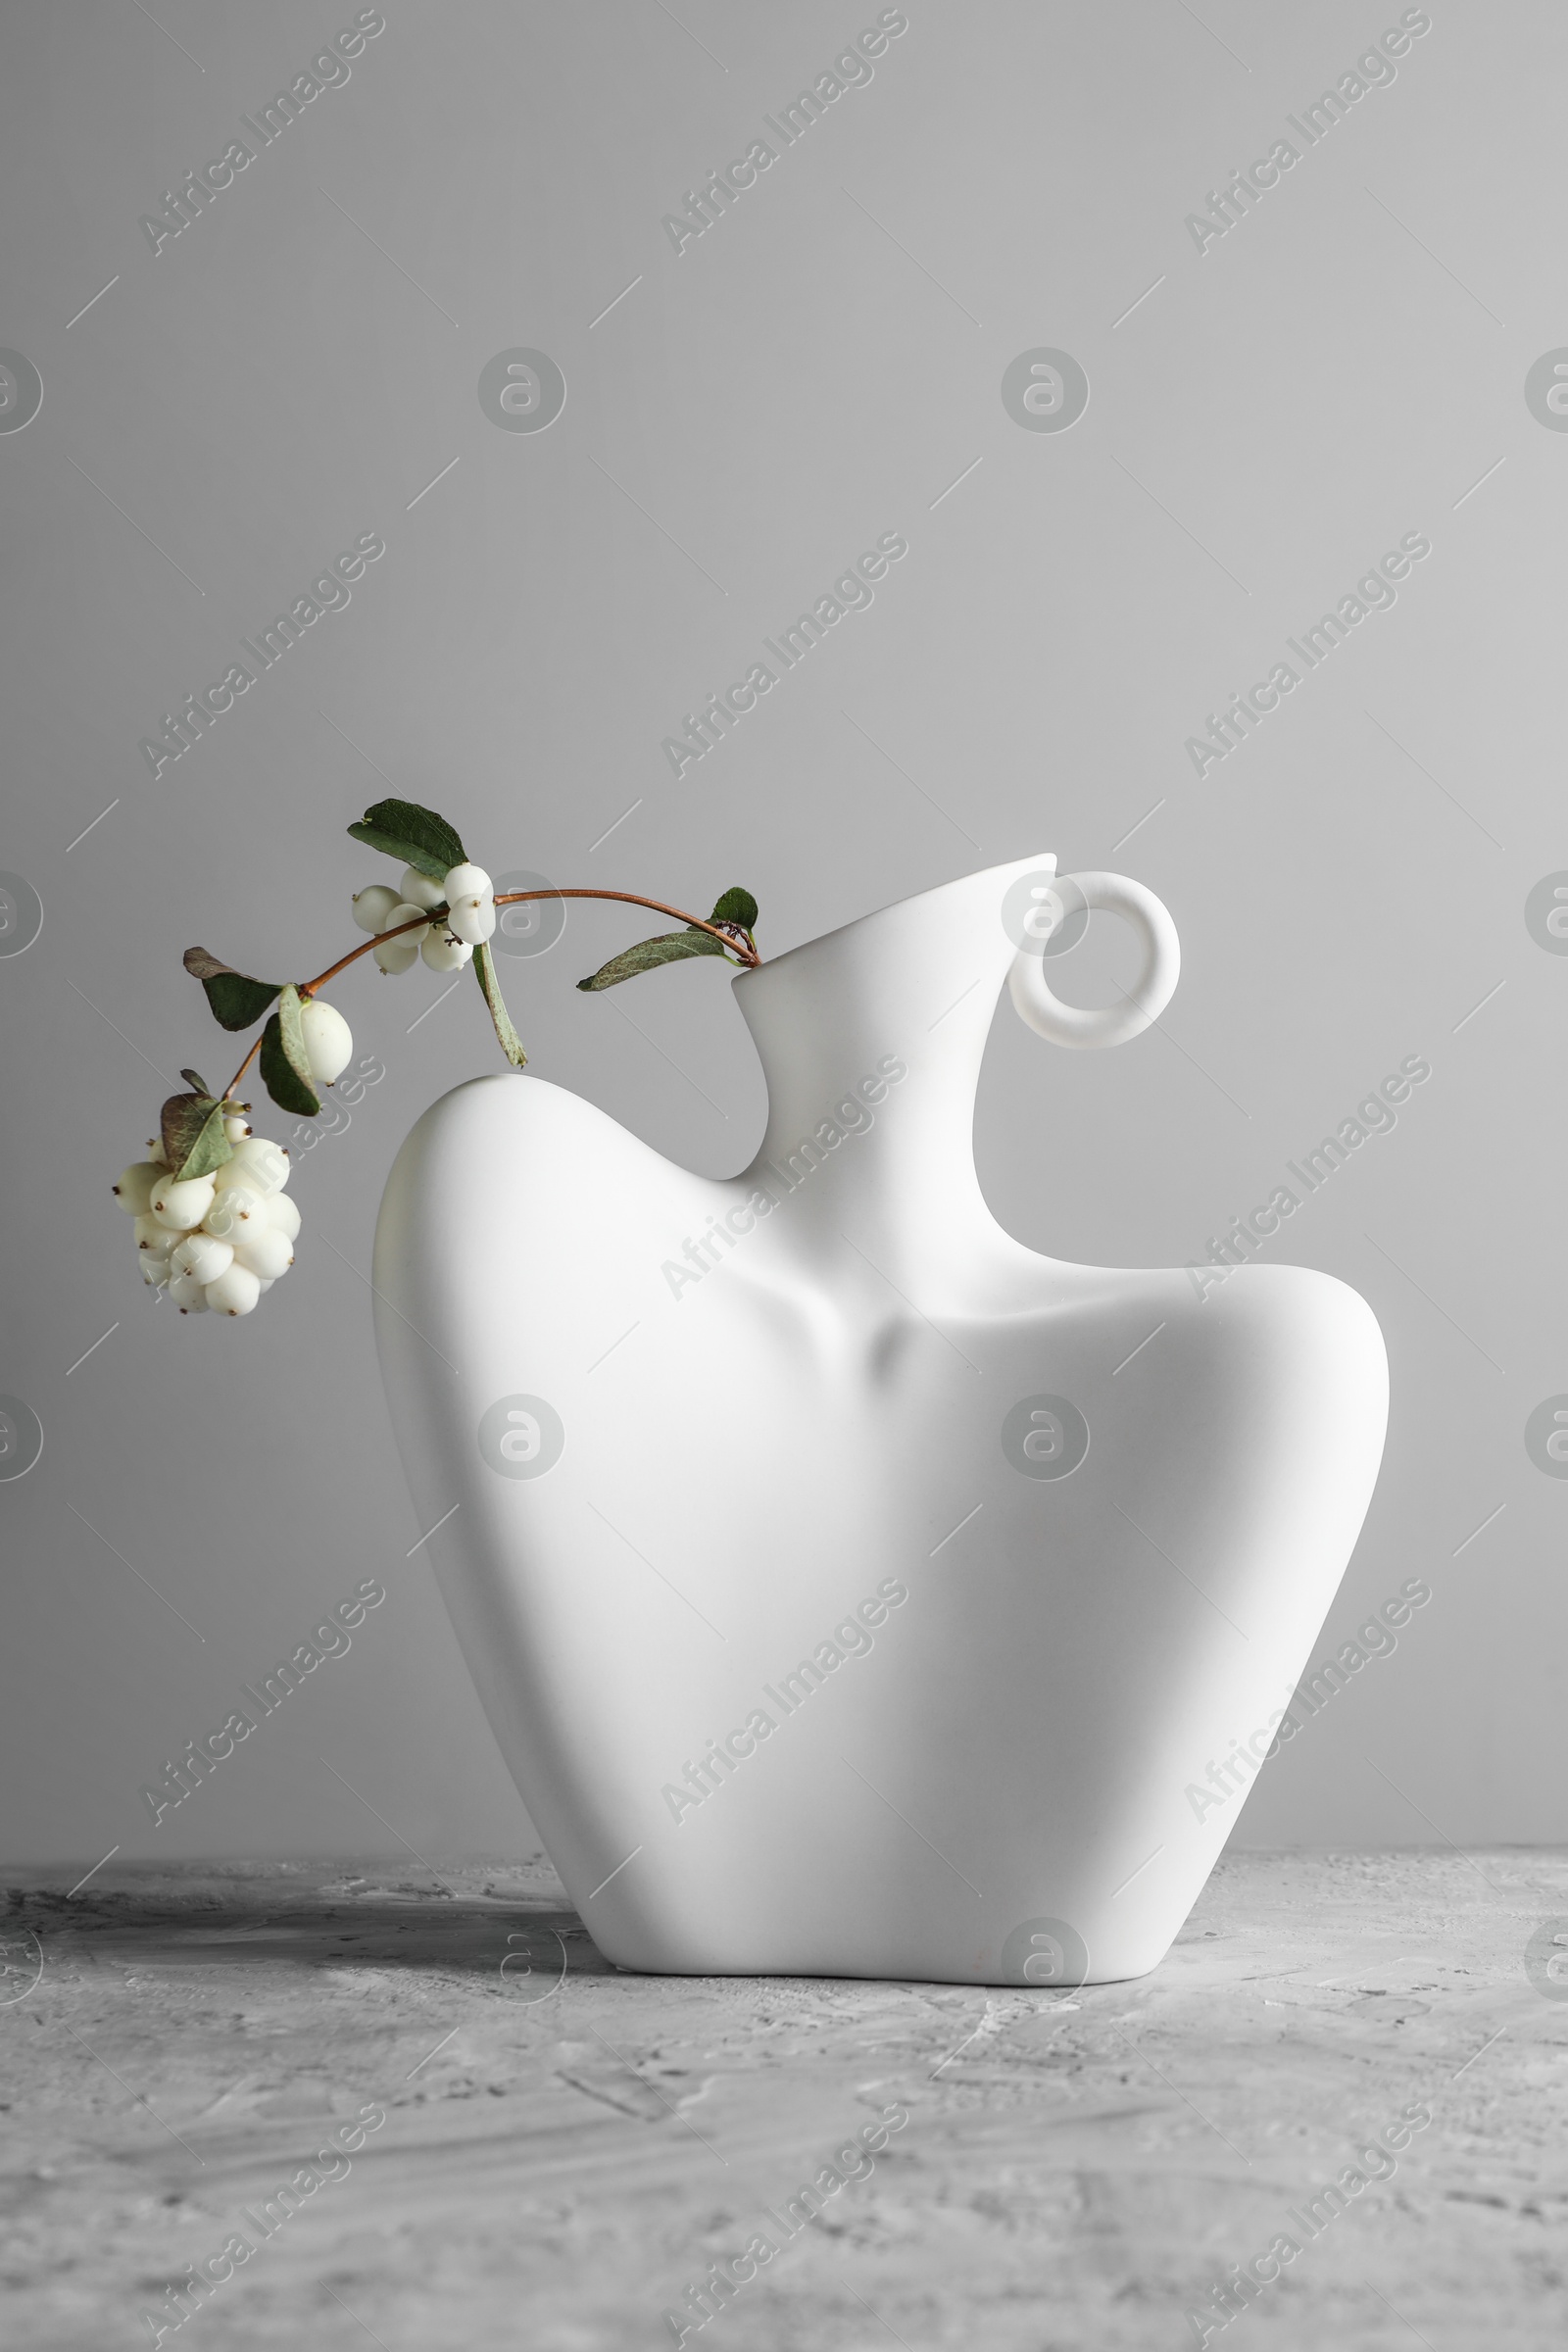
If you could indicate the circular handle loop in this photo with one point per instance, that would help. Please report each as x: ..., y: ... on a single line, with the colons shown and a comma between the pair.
x: 1145, y: 1001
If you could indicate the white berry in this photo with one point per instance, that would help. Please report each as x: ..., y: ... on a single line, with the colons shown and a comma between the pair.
x: 328, y: 1040
x: 283, y: 1213
x: 134, y: 1187
x: 155, y: 1272
x: 259, y: 1165
x: 472, y: 918
x: 420, y: 890
x: 203, y: 1256
x: 236, y: 1129
x: 441, y: 952
x: 371, y: 907
x: 180, y: 1206
x: 262, y: 1249
x: 395, y: 955
x: 188, y: 1294
x: 234, y: 1293
x: 470, y: 903
x: 233, y: 1205
x: 152, y: 1237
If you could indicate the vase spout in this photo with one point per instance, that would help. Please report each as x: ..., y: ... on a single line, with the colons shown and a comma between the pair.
x: 876, y: 1032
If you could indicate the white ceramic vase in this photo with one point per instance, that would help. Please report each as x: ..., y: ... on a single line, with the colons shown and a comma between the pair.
x: 850, y: 1591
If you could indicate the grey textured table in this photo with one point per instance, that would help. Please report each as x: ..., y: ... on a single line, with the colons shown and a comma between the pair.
x: 565, y: 2149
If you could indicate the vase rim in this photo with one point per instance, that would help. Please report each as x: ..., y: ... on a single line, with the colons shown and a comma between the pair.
x: 1013, y: 866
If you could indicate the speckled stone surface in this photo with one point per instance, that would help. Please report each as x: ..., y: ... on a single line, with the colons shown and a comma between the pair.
x: 565, y: 2149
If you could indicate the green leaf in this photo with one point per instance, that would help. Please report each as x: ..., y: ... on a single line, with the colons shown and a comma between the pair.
x: 212, y: 1147
x: 670, y: 946
x: 192, y: 1131
x: 284, y: 1064
x: 736, y: 907
x: 408, y: 853
x: 194, y: 1078
x: 179, y: 1123
x: 237, y: 999
x: 485, y: 971
x: 416, y: 835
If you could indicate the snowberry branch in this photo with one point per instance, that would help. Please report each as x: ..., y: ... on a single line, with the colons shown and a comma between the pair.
x: 730, y: 938
x: 211, y: 1218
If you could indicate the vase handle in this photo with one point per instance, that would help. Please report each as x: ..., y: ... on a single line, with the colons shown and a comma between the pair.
x: 1143, y: 1002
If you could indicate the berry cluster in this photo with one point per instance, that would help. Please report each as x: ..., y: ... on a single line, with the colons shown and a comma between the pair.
x: 212, y: 1225
x: 216, y: 1241
x: 462, y: 906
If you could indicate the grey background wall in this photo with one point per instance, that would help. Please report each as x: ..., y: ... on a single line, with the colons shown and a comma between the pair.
x: 1268, y: 414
